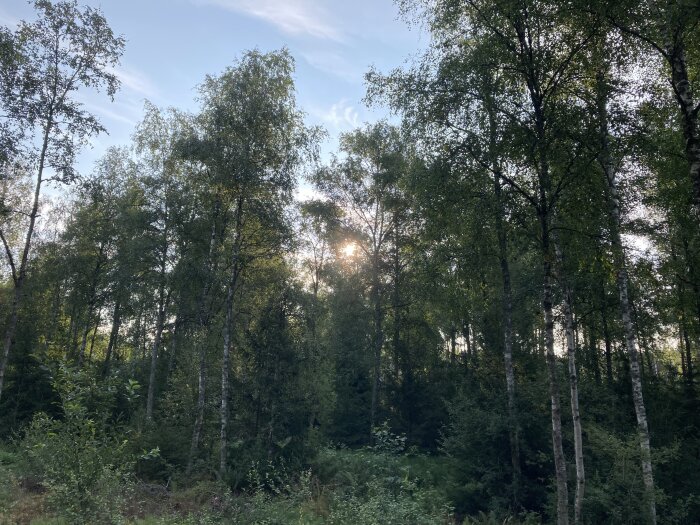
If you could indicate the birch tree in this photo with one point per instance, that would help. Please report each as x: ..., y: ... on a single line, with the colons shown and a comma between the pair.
x: 64, y: 50
x: 253, y: 141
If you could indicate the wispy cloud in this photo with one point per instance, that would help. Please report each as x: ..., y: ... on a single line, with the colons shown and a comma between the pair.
x: 111, y: 114
x: 135, y: 81
x: 121, y: 110
x: 333, y: 63
x: 294, y: 17
x: 341, y: 116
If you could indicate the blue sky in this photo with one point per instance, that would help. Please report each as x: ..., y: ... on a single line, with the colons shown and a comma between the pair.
x: 173, y: 44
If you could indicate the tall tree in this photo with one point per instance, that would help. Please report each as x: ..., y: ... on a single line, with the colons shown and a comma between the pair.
x: 361, y: 184
x: 539, y: 51
x: 65, y: 49
x: 671, y: 30
x: 156, y: 140
x: 253, y: 143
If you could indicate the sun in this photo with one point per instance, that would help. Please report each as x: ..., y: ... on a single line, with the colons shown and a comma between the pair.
x: 348, y: 250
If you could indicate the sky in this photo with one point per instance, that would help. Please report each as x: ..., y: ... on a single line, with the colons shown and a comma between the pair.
x: 172, y: 44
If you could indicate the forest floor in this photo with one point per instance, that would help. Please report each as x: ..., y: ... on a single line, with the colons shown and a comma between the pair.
x: 340, y: 486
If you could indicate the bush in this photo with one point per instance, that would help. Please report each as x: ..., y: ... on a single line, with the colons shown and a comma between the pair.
x: 367, y: 486
x: 84, y: 470
x: 84, y: 463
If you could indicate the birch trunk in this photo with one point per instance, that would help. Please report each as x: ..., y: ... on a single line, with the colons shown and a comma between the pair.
x: 113, y: 335
x: 554, y: 393
x: 637, y: 395
x: 10, y: 334
x: 606, y: 164
x: 544, y: 215
x: 544, y: 210
x: 91, y: 306
x: 377, y: 343
x: 201, y: 397
x: 689, y: 111
x: 693, y: 276
x: 173, y: 347
x: 606, y: 336
x: 19, y: 275
x: 228, y: 335
x: 94, y: 332
x: 573, y: 384
x: 507, y: 312
x: 396, y: 306
x: 160, y: 322
x: 506, y: 305
x: 203, y: 312
x: 225, y: 380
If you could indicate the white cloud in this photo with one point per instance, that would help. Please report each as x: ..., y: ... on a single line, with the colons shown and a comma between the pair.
x: 294, y: 17
x: 111, y: 114
x: 305, y: 192
x: 340, y: 116
x: 135, y: 81
x: 333, y: 63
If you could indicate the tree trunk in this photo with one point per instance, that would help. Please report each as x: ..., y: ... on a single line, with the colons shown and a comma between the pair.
x: 637, y: 396
x: 507, y: 312
x: 55, y: 310
x: 573, y: 384
x: 114, y: 334
x: 396, y: 301
x: 160, y: 322
x: 94, y: 332
x: 228, y: 328
x: 19, y: 274
x: 688, y: 356
x: 684, y: 96
x: 693, y: 276
x: 228, y: 335
x: 544, y: 215
x: 377, y: 343
x: 466, y: 333
x: 593, y: 350
x: 83, y: 343
x: 173, y: 347
x: 199, y: 413
x: 557, y: 440
x: 606, y: 163
x: 608, y: 346
x: 10, y: 334
x: 91, y: 305
x: 203, y: 312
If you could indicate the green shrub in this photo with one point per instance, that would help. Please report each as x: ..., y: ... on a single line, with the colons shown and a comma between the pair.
x: 84, y: 463
x: 84, y: 470
x: 394, y: 503
x: 366, y: 486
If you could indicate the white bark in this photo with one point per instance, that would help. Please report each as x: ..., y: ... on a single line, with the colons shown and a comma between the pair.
x: 606, y: 163
x: 573, y: 384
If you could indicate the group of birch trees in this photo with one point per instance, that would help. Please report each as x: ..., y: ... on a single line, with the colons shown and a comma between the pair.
x: 559, y: 104
x: 510, y: 277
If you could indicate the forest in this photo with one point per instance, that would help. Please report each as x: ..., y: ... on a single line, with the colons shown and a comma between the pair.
x: 487, y: 312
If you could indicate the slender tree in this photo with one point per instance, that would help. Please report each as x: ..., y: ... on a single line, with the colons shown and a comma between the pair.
x: 65, y: 49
